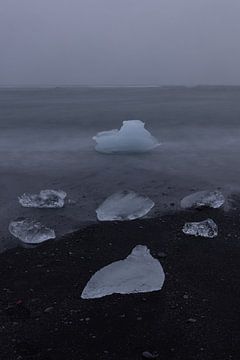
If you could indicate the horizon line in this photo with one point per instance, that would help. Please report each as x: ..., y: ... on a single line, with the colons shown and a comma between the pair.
x: 113, y: 85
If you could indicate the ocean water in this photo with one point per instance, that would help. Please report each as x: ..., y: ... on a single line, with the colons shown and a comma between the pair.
x: 46, y: 142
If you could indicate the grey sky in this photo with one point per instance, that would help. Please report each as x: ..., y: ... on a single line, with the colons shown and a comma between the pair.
x: 119, y: 41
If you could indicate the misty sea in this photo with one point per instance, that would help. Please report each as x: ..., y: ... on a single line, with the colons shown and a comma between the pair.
x: 46, y: 143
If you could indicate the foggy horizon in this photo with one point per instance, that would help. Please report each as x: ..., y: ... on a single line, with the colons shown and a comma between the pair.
x: 145, y: 43
x: 117, y: 85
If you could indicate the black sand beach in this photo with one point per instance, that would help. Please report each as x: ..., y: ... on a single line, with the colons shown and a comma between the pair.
x: 194, y: 316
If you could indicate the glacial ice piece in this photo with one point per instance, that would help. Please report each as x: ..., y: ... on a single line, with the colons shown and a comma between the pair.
x: 213, y: 199
x: 124, y: 205
x: 30, y: 231
x: 131, y: 138
x: 45, y: 199
x: 207, y: 228
x: 137, y: 273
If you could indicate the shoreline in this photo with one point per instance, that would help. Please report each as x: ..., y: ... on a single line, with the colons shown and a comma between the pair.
x: 194, y: 316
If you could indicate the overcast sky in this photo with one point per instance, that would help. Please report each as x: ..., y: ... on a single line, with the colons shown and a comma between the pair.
x: 119, y: 42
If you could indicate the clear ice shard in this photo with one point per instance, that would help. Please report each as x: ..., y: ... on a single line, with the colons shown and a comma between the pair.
x: 30, y: 231
x: 207, y: 228
x: 131, y: 138
x: 124, y: 205
x: 213, y: 199
x: 138, y: 273
x: 45, y: 199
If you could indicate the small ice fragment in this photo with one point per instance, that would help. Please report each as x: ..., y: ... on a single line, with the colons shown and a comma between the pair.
x: 207, y: 228
x: 124, y: 205
x: 192, y: 320
x: 30, y: 231
x: 45, y: 199
x: 149, y: 355
x: 138, y: 273
x: 131, y: 138
x: 213, y: 199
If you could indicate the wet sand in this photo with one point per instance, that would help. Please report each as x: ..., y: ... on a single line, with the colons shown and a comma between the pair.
x: 194, y: 316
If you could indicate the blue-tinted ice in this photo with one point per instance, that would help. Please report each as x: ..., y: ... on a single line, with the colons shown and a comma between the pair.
x: 131, y: 138
x: 138, y: 273
x: 45, y: 199
x: 213, y: 199
x: 30, y: 231
x: 207, y: 228
x: 124, y: 205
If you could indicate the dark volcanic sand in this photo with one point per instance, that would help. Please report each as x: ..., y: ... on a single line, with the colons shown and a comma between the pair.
x: 194, y: 316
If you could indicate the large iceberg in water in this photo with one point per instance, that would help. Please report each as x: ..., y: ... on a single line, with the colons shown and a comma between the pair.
x: 207, y: 228
x: 124, y: 205
x: 213, y: 199
x: 131, y: 138
x: 30, y: 231
x: 45, y: 199
x: 138, y: 273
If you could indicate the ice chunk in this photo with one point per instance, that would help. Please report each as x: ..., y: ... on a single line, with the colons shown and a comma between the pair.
x: 206, y: 228
x: 45, y: 199
x: 30, y: 231
x: 213, y: 199
x: 124, y: 205
x: 131, y: 138
x: 138, y: 273
x: 149, y: 355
